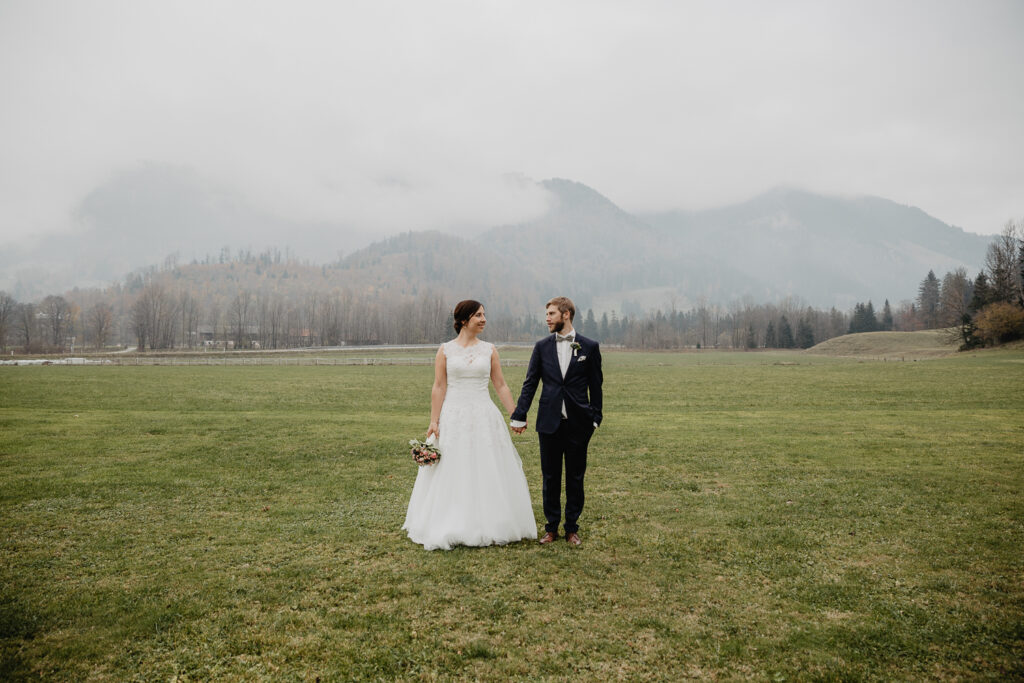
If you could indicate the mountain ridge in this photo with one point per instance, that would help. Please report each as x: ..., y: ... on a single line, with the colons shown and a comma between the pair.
x: 785, y: 242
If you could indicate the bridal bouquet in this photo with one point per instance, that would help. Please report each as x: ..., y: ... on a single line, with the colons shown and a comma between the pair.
x: 424, y: 452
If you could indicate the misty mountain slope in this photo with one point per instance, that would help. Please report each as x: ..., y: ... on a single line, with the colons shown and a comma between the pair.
x: 461, y: 268
x: 584, y: 244
x: 157, y: 210
x: 585, y: 247
x: 828, y: 250
x: 139, y: 217
x: 163, y: 208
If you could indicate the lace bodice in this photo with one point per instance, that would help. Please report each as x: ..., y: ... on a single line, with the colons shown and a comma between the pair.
x: 468, y: 369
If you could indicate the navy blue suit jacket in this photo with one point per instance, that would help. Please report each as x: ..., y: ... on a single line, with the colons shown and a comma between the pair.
x: 580, y: 389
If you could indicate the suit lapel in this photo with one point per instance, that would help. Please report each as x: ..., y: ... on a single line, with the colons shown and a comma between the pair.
x: 553, y: 356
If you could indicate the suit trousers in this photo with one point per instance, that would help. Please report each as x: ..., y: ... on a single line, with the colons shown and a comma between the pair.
x: 569, y: 444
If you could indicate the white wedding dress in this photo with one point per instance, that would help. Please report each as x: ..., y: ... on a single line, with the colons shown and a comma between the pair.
x: 477, y: 493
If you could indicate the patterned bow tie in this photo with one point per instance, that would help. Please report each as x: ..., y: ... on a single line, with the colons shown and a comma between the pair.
x: 565, y: 337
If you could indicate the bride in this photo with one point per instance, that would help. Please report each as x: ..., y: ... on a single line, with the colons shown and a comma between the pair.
x: 476, y: 494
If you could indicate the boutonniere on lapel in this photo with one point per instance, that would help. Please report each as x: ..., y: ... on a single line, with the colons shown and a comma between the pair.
x: 575, y: 348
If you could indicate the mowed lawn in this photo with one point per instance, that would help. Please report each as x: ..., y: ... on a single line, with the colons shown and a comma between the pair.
x: 772, y: 516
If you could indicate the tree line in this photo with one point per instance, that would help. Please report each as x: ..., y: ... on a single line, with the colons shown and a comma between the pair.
x: 157, y: 311
x: 987, y: 310
x: 270, y: 301
x: 174, y: 308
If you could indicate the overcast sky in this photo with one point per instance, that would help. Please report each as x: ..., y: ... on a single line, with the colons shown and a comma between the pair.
x: 411, y: 115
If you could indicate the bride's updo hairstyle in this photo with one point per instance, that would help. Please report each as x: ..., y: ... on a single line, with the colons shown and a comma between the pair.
x: 464, y: 310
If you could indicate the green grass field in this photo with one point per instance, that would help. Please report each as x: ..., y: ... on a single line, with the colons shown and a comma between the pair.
x: 771, y: 516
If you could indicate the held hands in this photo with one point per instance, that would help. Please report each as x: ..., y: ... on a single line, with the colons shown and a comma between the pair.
x: 519, y: 430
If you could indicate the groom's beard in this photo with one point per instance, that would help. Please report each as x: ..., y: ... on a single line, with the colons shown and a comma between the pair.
x: 559, y: 326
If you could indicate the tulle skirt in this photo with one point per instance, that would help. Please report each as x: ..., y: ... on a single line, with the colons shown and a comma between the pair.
x: 477, y: 494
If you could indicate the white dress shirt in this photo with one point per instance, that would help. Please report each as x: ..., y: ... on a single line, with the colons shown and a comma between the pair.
x: 564, y: 348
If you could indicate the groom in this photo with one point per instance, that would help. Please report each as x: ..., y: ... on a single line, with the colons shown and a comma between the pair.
x: 569, y: 365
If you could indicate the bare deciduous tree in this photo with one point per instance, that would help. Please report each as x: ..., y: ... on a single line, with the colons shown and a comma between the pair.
x: 928, y: 301
x: 8, y: 310
x: 100, y: 322
x: 1002, y: 264
x: 329, y: 317
x: 954, y: 297
x: 28, y: 325
x: 57, y: 312
x: 276, y: 322
x: 190, y: 315
x: 310, y: 306
x: 270, y: 319
x: 214, y: 318
x: 240, y: 314
x: 153, y: 315
x: 140, y: 322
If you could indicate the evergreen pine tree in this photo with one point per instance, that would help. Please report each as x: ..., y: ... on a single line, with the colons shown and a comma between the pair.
x: 967, y: 333
x: 1020, y: 272
x: 928, y: 300
x: 863, y: 319
x: 870, y: 319
x: 887, y: 321
x: 982, y: 295
x: 605, y: 331
x: 857, y: 319
x: 592, y: 330
x: 804, y: 334
x: 751, y: 337
x: 786, y: 340
x: 769, y: 336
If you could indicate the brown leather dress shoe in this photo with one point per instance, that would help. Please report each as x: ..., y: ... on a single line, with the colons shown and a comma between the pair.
x: 573, y: 538
x: 548, y: 538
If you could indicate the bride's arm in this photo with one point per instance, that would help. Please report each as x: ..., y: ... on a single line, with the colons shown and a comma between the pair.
x: 437, y: 391
x: 500, y: 388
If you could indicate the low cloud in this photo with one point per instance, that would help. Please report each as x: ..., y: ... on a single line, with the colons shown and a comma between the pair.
x: 390, y: 116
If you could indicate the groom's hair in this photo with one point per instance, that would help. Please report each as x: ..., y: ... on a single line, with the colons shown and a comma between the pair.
x: 464, y: 310
x: 565, y: 305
